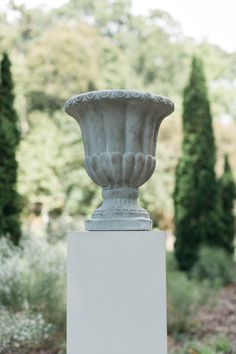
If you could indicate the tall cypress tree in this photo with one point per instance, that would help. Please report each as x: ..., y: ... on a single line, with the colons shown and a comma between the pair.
x: 196, y: 197
x: 9, y: 139
x: 227, y: 196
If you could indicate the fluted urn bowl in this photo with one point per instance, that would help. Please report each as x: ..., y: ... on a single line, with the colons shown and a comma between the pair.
x: 119, y: 130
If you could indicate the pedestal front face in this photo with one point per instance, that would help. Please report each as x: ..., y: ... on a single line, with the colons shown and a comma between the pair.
x: 116, y: 293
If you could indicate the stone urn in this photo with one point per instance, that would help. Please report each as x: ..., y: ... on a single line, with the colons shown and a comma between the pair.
x: 119, y: 130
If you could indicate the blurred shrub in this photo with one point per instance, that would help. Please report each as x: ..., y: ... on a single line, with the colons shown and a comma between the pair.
x: 219, y: 345
x: 44, y: 279
x: 184, y: 297
x: 33, y: 277
x: 215, y: 265
x: 11, y: 291
x: 171, y: 262
x: 22, y: 331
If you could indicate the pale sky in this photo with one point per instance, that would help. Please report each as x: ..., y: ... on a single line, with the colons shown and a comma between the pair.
x: 214, y: 20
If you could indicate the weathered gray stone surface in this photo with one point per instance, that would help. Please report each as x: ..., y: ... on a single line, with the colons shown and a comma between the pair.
x: 119, y: 130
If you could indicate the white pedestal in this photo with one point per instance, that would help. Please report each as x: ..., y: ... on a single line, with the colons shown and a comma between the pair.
x: 116, y: 293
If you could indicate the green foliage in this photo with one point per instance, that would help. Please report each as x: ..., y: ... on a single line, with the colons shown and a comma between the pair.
x: 219, y: 345
x: 80, y: 60
x: 184, y: 298
x: 109, y: 16
x: 22, y: 331
x: 216, y: 266
x: 11, y: 292
x: 52, y: 173
x: 45, y: 62
x: 171, y: 262
x: 227, y: 196
x: 197, y: 209
x: 7, y: 98
x: 44, y: 280
x: 40, y: 164
x: 32, y: 286
x: 9, y: 139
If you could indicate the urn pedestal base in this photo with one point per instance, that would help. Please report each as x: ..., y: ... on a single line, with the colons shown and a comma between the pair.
x: 116, y: 293
x: 118, y: 224
x: 119, y: 211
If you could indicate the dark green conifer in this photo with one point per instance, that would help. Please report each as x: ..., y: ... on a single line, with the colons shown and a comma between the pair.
x: 9, y: 139
x: 196, y: 196
x: 227, y: 196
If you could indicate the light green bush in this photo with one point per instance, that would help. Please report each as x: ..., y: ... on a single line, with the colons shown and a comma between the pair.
x: 195, y: 348
x: 11, y: 291
x: 184, y: 298
x: 218, y: 345
x: 22, y: 330
x: 216, y: 266
x: 32, y: 280
x: 171, y: 262
x: 44, y: 279
x: 221, y: 344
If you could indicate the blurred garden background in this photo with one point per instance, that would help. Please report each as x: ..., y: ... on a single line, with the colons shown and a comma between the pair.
x: 49, y: 53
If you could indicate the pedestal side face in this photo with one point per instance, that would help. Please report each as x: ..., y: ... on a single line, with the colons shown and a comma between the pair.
x: 116, y: 293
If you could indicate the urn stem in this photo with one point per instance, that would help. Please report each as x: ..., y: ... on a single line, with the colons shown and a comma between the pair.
x: 120, y: 210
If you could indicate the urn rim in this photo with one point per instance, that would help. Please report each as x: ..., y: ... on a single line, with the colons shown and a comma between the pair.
x: 119, y: 94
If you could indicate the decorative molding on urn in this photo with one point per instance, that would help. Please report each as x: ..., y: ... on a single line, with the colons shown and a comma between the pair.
x: 117, y: 169
x: 119, y: 130
x: 117, y: 95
